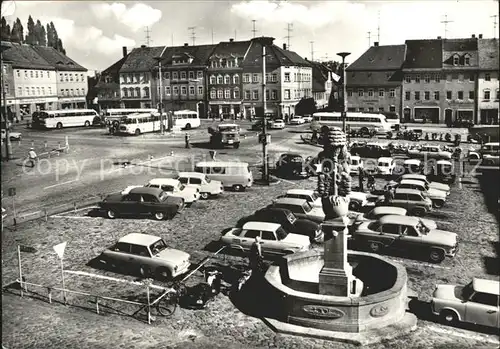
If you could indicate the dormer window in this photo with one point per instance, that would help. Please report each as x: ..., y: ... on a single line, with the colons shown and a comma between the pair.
x: 456, y: 60
x: 467, y: 59
x: 223, y: 63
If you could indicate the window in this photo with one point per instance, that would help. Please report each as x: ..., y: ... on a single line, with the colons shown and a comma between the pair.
x: 220, y: 79
x: 176, y: 90
x: 61, y: 77
x: 471, y: 94
x: 200, y: 90
x: 81, y: 76
x: 381, y: 109
x: 460, y: 94
x: 381, y: 93
x: 436, y: 95
x: 448, y: 95
x: 408, y: 79
x: 485, y: 298
x: 417, y: 95
x: 212, y: 80
x: 166, y: 75
x: 213, y: 94
x: 18, y: 72
x: 349, y: 93
x: 236, y: 79
x: 498, y: 94
x: 392, y: 93
x: 268, y: 235
x: 460, y: 77
x: 427, y: 78
x: 20, y: 91
x: 183, y: 75
x: 361, y: 109
x: 407, y: 95
x: 66, y: 77
x: 139, y: 250
x: 487, y: 77
x: 251, y: 234
x: 370, y: 109
x: 391, y: 229
x: 191, y: 90
x: 175, y: 75
x: 392, y: 108
x: 246, y: 77
x: 287, y: 94
x: 50, y: 90
x: 287, y: 77
x: 455, y: 60
x: 267, y: 95
x: 66, y: 92
x: 437, y: 77
x: 255, y: 77
x: 486, y: 94
x: 199, y: 74
x: 274, y: 94
x: 471, y: 77
x: 274, y: 77
x: 227, y: 80
x: 191, y: 74
x: 168, y: 90
x: 247, y: 95
x: 255, y: 94
x: 467, y: 60
x: 427, y: 95
x: 236, y: 93
x: 183, y: 90
x: 220, y: 94
x: 361, y: 92
x: 227, y: 94
x: 417, y: 78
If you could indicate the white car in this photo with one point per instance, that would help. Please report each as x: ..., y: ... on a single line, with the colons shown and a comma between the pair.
x: 301, y: 208
x: 173, y: 187
x: 423, y: 178
x: 278, y: 124
x: 357, y: 200
x: 385, y: 166
x: 200, y: 181
x: 307, y: 118
x: 311, y: 196
x: 297, y: 120
x: 274, y: 239
x: 356, y: 165
x: 14, y: 136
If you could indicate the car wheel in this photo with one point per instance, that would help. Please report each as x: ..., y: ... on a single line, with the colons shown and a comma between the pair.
x: 159, y: 216
x: 436, y: 256
x: 137, y: 132
x: 163, y: 274
x: 87, y: 123
x: 375, y: 247
x: 448, y: 317
x: 438, y: 203
x: 204, y: 196
x: 144, y: 271
x: 182, y: 206
x: 364, y: 131
x: 418, y: 212
x: 111, y: 214
x: 354, y: 205
x: 59, y: 125
x: 238, y: 187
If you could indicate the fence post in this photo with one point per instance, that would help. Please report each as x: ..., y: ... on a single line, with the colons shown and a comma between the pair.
x: 50, y: 294
x: 45, y: 144
x: 149, y: 305
x: 20, y: 269
x: 46, y: 215
x: 66, y: 146
x: 74, y: 206
x: 32, y: 144
x: 97, y: 305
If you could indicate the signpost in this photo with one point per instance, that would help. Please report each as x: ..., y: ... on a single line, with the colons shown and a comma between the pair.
x: 27, y: 249
x: 12, y: 192
x: 60, y: 253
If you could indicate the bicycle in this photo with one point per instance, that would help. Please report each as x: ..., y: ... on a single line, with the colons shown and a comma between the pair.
x: 169, y: 301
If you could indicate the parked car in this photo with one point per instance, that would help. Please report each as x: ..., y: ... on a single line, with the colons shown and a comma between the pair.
x: 311, y: 196
x: 307, y: 118
x: 291, y: 164
x: 225, y: 135
x: 287, y: 220
x: 438, y: 197
x: 232, y: 174
x: 356, y: 218
x: 491, y: 160
x: 297, y: 120
x: 413, y: 166
x: 257, y: 126
x: 423, y: 178
x: 430, y: 152
x: 206, y: 186
x: 275, y: 240
x: 356, y: 165
x: 414, y: 201
x: 173, y: 187
x: 142, y: 201
x: 301, y: 208
x: 477, y: 303
x: 277, y: 124
x: 148, y: 254
x: 14, y: 136
x: 443, y: 171
x: 357, y: 200
x: 407, y: 234
x: 492, y: 148
x: 385, y: 166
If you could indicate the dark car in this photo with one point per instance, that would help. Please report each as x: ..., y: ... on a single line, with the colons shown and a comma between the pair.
x: 292, y: 164
x: 142, y: 201
x: 289, y: 222
x: 257, y: 126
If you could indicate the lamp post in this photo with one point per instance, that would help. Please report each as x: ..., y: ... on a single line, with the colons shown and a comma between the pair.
x: 265, y: 172
x: 344, y: 89
x: 160, y: 85
x: 8, y: 146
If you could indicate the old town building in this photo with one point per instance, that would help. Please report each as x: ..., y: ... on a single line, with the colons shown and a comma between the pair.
x: 184, y: 70
x: 374, y: 80
x: 108, y: 85
x: 322, y: 84
x: 224, y: 77
x: 488, y: 93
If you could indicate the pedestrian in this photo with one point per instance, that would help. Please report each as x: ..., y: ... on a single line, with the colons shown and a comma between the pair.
x: 32, y: 157
x: 361, y: 178
x: 186, y: 139
x: 255, y: 258
x: 371, y: 183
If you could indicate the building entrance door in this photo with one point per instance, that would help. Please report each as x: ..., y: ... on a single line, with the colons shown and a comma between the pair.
x: 448, y: 117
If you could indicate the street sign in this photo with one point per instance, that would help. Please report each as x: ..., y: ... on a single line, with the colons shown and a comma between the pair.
x: 12, y: 191
x: 27, y: 249
x: 60, y: 249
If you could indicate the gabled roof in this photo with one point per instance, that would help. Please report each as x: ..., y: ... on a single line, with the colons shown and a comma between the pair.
x: 114, y: 72
x: 58, y: 59
x: 227, y: 49
x: 199, y: 54
x: 320, y: 74
x: 24, y: 56
x: 488, y: 54
x: 374, y: 78
x: 459, y: 45
x: 141, y: 59
x: 423, y: 54
x: 387, y: 57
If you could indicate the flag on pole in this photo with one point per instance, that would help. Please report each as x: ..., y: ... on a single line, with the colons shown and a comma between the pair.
x: 60, y: 249
x: 335, y: 77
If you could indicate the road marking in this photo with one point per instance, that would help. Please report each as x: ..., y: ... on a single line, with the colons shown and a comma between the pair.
x: 462, y: 335
x: 419, y: 263
x: 83, y: 273
x: 72, y: 217
x: 58, y: 184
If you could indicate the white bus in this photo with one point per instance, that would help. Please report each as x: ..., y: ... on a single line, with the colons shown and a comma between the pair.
x: 186, y: 119
x: 64, y: 118
x: 354, y: 121
x: 111, y: 116
x: 138, y: 123
x: 392, y: 118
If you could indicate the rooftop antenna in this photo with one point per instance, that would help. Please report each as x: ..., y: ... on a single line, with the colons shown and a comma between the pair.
x: 212, y: 36
x: 445, y: 22
x: 369, y: 39
x: 235, y: 35
x: 148, y: 37
x: 193, y: 34
x: 378, y: 28
x: 289, y: 29
x: 312, y: 50
x: 494, y: 25
x: 253, y: 26
x: 172, y: 39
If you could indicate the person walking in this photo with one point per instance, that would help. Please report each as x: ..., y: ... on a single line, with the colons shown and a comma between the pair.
x: 186, y: 139
x: 371, y: 183
x: 255, y: 258
x: 33, y: 158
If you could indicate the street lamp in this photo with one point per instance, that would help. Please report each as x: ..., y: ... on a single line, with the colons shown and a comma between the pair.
x: 160, y: 106
x: 8, y: 147
x: 344, y: 86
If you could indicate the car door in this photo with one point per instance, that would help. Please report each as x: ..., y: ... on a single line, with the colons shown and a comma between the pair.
x: 390, y: 234
x: 139, y: 256
x: 150, y: 204
x: 482, y: 309
x: 400, y: 200
x: 247, y: 238
x: 120, y: 253
x: 409, y: 239
x: 130, y: 204
x: 269, y: 242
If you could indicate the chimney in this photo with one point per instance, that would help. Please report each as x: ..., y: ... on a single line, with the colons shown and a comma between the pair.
x: 186, y: 44
x: 124, y: 50
x: 480, y: 36
x: 473, y: 36
x: 439, y: 38
x: 375, y: 43
x: 284, y: 47
x: 231, y: 40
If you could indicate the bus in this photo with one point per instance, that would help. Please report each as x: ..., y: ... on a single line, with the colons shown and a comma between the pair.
x: 354, y: 121
x: 392, y: 118
x: 135, y: 124
x: 63, y: 118
x: 111, y: 116
x: 186, y: 119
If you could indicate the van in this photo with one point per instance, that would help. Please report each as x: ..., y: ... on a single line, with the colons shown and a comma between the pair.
x: 235, y: 175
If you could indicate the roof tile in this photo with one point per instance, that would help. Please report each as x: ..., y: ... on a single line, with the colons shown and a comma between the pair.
x: 380, y: 58
x: 423, y: 54
x: 58, y: 59
x: 24, y: 56
x: 488, y: 54
x: 141, y: 59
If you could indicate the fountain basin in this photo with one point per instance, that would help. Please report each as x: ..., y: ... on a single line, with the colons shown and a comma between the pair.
x: 295, y: 285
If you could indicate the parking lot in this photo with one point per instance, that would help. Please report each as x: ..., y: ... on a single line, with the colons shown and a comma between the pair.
x: 196, y: 231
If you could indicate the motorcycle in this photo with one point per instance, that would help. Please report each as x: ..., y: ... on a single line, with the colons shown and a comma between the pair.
x: 200, y: 295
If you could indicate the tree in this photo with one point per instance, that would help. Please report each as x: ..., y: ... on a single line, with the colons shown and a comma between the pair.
x: 40, y: 34
x: 55, y: 37
x: 5, y: 33
x: 50, y: 35
x: 17, y: 33
x: 31, y: 36
x: 60, y: 47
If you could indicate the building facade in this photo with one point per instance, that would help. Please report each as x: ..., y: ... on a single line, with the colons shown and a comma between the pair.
x: 374, y: 80
x: 225, y: 79
x: 488, y: 94
x: 322, y: 84
x: 108, y: 86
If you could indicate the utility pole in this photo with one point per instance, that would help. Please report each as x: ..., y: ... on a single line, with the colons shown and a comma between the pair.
x: 312, y: 51
x: 378, y: 28
x: 253, y: 27
x: 212, y: 36
x: 289, y: 29
x: 445, y: 22
x: 264, y: 120
x: 8, y: 146
x: 494, y: 26
x: 172, y: 39
x: 193, y: 34
x: 369, y: 39
x: 148, y: 37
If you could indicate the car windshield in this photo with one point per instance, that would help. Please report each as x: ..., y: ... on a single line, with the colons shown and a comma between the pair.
x: 163, y: 196
x: 467, y: 291
x: 281, y: 233
x: 158, y: 246
x: 422, y: 228
x: 307, y: 207
x: 228, y: 129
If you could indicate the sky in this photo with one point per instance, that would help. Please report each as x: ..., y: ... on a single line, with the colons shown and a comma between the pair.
x: 94, y: 33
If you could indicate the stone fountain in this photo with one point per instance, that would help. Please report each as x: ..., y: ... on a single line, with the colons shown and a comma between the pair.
x: 332, y: 293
